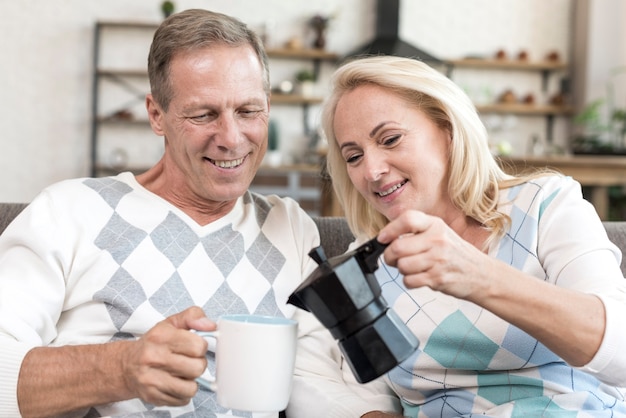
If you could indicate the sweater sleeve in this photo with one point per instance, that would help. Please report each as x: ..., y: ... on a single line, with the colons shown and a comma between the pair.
x: 31, y: 296
x: 608, y: 365
x: 576, y: 253
x: 323, y: 383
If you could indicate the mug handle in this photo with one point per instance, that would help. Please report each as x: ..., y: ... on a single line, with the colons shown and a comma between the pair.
x: 208, y: 383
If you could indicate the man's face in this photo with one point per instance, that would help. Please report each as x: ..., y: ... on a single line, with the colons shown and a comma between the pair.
x: 216, y: 125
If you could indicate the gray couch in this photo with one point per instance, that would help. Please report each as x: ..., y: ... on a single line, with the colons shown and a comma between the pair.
x: 334, y: 232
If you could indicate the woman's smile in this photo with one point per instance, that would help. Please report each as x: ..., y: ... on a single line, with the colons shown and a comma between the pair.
x: 391, y: 189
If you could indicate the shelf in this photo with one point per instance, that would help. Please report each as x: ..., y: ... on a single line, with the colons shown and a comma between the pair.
x: 127, y: 24
x: 525, y: 109
x: 123, y: 72
x: 120, y: 121
x: 544, y: 67
x: 294, y: 99
x: 314, y: 54
x: 505, y: 64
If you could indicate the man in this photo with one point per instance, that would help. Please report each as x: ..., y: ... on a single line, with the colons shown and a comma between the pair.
x: 102, y: 279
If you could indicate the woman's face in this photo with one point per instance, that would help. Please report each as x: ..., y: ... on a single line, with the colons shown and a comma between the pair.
x: 396, y: 157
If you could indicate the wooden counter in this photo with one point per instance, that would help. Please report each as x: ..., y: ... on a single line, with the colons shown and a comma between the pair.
x: 597, y: 173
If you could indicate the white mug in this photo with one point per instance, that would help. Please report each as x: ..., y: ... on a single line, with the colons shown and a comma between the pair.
x: 255, y: 359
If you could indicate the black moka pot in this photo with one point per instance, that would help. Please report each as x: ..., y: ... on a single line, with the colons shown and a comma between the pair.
x: 345, y: 297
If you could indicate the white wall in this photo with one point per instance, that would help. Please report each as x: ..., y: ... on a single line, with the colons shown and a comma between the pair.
x: 45, y: 75
x: 606, y: 51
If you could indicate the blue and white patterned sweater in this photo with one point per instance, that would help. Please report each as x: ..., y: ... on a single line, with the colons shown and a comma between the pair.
x: 472, y: 363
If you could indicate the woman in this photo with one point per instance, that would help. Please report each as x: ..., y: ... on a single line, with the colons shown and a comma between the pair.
x: 510, y: 283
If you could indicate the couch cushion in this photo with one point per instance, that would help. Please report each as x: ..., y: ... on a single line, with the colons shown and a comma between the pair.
x: 8, y: 211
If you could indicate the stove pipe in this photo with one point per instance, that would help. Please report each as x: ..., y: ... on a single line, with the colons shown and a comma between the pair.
x: 387, y: 41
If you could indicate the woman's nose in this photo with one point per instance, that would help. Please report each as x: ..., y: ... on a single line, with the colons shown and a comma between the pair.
x: 375, y: 167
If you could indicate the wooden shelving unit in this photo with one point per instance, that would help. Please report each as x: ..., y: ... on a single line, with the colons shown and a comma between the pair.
x: 124, y: 77
x: 545, y: 68
x: 310, y: 54
x: 526, y: 109
x: 508, y: 64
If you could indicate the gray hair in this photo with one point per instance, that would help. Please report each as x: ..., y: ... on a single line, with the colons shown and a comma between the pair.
x: 194, y: 29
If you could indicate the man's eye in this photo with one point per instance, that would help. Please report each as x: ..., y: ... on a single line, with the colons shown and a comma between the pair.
x: 200, y: 118
x: 249, y: 112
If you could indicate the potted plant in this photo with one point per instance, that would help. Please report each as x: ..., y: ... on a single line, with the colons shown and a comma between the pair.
x: 273, y: 156
x: 167, y: 7
x: 598, y: 135
x: 306, y: 80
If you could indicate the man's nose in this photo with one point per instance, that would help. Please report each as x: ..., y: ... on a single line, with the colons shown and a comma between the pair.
x: 228, y: 133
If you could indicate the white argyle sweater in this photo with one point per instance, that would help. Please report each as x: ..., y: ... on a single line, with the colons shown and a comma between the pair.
x: 96, y: 260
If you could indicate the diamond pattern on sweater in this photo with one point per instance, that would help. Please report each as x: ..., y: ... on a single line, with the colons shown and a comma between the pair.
x: 224, y: 300
x: 519, y: 387
x: 111, y: 190
x: 262, y: 208
x: 265, y: 257
x: 225, y: 248
x: 119, y: 238
x: 174, y: 239
x: 171, y: 297
x: 457, y: 344
x: 122, y: 295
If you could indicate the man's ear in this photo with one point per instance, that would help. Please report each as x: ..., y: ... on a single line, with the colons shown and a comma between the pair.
x: 155, y: 115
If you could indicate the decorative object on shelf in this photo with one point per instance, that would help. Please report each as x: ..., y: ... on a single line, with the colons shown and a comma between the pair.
x: 553, y: 56
x: 285, y: 87
x: 167, y: 8
x: 294, y: 43
x: 523, y: 55
x: 558, y: 99
x: 118, y: 159
x: 529, y: 99
x: 319, y: 24
x: 123, y: 114
x: 273, y: 157
x: 507, y: 97
x: 306, y: 81
x: 272, y: 135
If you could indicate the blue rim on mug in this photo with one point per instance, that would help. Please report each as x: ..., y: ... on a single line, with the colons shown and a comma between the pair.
x: 258, y: 319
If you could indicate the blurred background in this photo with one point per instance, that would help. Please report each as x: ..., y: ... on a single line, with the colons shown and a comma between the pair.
x: 542, y: 73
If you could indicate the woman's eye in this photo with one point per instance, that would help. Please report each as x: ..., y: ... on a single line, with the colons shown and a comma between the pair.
x: 352, y: 158
x: 391, y: 140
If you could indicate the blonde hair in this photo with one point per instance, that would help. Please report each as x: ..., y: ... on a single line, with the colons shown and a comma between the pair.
x: 475, y: 178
